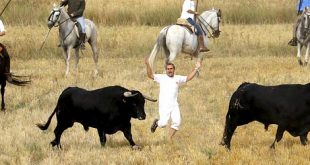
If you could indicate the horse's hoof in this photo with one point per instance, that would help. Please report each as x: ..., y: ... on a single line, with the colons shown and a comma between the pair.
x: 306, y: 63
x: 300, y: 62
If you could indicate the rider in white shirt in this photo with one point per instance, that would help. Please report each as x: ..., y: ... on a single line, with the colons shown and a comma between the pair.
x: 188, y: 13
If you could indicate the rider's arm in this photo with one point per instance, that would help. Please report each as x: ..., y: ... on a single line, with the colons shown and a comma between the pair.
x: 192, y: 12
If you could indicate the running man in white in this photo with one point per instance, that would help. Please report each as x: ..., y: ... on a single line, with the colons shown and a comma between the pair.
x: 168, y: 94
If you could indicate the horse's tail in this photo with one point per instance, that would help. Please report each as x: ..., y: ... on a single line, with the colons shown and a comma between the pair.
x: 45, y: 126
x: 161, y: 39
x: 17, y: 80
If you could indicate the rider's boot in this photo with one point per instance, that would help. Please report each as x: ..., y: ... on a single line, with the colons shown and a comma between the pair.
x: 201, y: 44
x: 293, y: 41
x: 82, y: 40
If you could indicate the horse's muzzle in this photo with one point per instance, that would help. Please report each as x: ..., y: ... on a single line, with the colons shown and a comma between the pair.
x: 50, y: 24
x: 216, y: 33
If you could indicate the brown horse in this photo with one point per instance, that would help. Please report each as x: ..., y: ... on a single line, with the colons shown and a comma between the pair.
x: 6, y: 75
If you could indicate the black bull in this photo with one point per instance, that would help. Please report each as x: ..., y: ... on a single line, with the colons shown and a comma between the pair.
x: 108, y: 109
x: 287, y: 106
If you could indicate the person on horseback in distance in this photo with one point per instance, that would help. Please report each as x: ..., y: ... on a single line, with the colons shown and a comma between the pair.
x: 189, y: 13
x: 3, y: 51
x: 75, y: 10
x: 300, y: 8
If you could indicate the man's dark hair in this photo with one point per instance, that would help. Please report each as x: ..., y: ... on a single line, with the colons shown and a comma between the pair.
x: 170, y: 63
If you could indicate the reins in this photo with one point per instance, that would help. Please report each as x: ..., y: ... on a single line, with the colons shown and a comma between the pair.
x: 63, y: 40
x: 203, y: 22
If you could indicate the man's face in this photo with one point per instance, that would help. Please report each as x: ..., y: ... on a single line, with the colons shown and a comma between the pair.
x: 170, y: 70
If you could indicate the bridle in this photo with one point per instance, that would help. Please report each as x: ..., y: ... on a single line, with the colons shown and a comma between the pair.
x: 57, y: 18
x: 215, y: 32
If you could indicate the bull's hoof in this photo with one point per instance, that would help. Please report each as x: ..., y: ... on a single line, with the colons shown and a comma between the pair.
x: 136, y: 147
x: 54, y: 143
x: 304, y: 143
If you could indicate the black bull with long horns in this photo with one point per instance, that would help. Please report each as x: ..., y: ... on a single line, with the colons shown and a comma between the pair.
x: 108, y: 109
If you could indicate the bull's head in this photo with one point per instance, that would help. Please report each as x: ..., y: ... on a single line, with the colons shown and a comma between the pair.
x: 135, y: 101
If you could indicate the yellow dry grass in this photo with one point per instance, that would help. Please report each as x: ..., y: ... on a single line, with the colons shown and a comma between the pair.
x: 254, y: 54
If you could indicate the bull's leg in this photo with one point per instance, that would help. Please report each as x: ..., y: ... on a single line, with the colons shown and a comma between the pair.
x: 304, y: 139
x: 127, y: 134
x: 2, y: 95
x: 279, y: 136
x: 230, y: 127
x: 102, y: 137
x: 58, y: 131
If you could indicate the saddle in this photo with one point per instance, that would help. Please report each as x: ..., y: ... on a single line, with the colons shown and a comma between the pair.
x: 186, y: 24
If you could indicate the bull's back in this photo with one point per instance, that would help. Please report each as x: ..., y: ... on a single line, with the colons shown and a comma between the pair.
x: 280, y: 101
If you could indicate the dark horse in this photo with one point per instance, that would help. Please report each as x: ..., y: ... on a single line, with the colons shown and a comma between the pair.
x: 6, y: 75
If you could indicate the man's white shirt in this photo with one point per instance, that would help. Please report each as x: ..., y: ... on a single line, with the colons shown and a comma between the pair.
x: 169, y: 88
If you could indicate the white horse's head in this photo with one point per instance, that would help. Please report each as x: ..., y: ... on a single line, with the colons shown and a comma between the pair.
x: 212, y: 19
x: 306, y: 17
x: 54, y: 16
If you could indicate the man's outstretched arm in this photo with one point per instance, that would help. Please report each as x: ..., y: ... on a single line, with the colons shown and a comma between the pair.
x: 191, y: 75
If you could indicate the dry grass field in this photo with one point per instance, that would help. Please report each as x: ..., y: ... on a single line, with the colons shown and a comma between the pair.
x: 244, y: 52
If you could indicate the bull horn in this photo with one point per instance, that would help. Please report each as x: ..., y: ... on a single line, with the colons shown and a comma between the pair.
x: 150, y: 99
x: 129, y: 94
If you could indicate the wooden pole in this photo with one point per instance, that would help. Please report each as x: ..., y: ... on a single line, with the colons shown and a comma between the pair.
x: 5, y: 7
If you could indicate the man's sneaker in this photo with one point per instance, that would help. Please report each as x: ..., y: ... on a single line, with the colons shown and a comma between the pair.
x: 293, y: 42
x: 154, y: 125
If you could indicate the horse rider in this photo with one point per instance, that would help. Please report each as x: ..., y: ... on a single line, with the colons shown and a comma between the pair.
x: 189, y: 13
x: 3, y: 52
x: 75, y: 10
x: 300, y: 8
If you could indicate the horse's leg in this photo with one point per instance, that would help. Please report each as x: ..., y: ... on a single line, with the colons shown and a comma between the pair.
x: 67, y: 59
x: 299, y: 47
x: 93, y: 44
x: 77, y: 58
x: 307, y: 54
x: 3, y: 84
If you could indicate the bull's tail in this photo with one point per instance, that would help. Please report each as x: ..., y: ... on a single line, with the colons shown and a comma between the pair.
x: 159, y: 43
x: 18, y: 80
x: 45, y: 126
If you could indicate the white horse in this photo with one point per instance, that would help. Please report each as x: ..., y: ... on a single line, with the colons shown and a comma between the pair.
x: 303, y: 35
x: 68, y: 36
x: 175, y: 38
